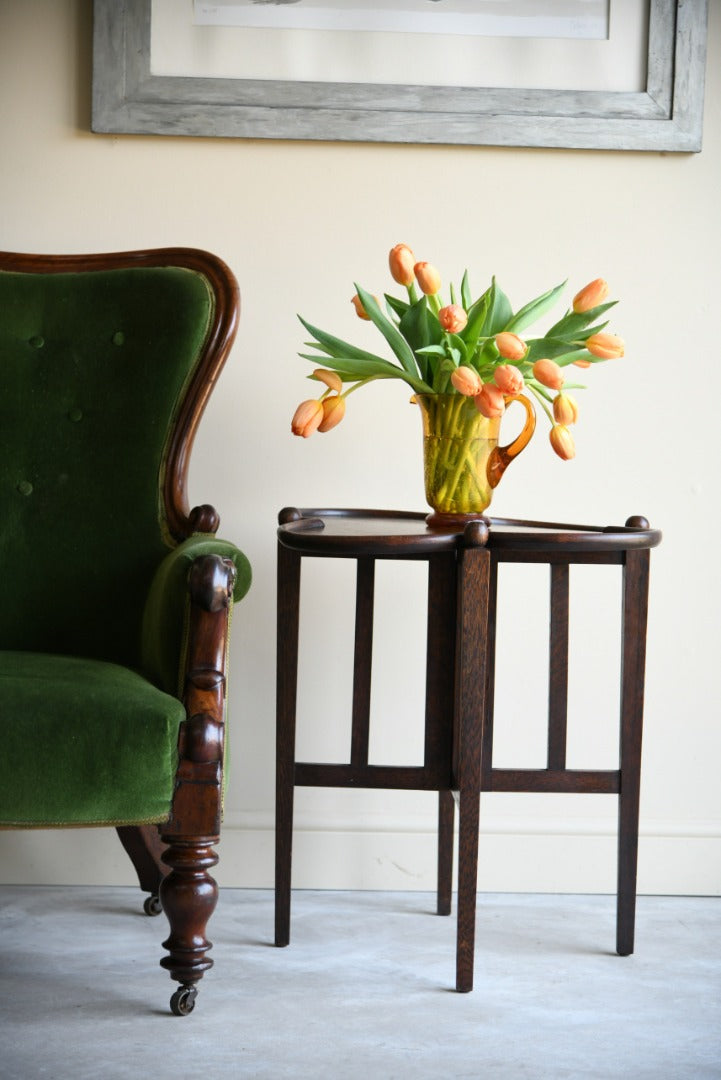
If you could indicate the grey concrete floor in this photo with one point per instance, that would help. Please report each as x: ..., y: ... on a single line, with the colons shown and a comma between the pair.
x: 363, y: 991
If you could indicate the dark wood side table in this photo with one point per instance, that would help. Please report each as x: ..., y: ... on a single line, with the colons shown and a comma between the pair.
x: 462, y: 574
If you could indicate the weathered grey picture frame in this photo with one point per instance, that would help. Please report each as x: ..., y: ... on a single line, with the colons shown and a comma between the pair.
x: 666, y: 115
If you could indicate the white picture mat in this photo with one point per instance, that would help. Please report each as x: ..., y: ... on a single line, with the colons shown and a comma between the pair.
x: 492, y: 18
x: 618, y: 64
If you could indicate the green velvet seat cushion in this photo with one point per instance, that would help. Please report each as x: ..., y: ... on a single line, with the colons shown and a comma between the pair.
x: 84, y: 743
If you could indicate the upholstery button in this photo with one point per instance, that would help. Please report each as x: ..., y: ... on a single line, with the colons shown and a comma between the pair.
x: 25, y: 487
x: 75, y: 415
x: 37, y: 341
x: 118, y: 338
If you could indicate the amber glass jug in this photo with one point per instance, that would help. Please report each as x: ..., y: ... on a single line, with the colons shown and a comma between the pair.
x: 462, y: 461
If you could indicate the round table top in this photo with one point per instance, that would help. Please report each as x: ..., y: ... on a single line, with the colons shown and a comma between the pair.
x: 392, y: 533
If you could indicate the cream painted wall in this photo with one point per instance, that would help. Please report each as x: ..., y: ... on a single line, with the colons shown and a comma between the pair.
x: 298, y: 223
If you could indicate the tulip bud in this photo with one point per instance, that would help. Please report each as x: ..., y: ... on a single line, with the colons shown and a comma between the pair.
x: 331, y: 378
x: 333, y: 412
x: 606, y: 346
x: 511, y: 346
x: 582, y: 363
x: 452, y: 318
x: 508, y: 379
x: 565, y: 409
x: 306, y: 418
x: 549, y: 373
x: 427, y: 277
x: 401, y: 261
x: 590, y: 296
x: 359, y: 309
x: 467, y: 381
x: 490, y: 401
x: 562, y: 442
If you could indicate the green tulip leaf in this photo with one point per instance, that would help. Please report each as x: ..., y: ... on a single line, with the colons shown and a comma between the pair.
x: 400, y: 307
x: 477, y: 313
x: 535, y: 309
x: 334, y: 346
x: 353, y: 369
x: 393, y: 336
x: 570, y: 357
x: 419, y: 327
x: 548, y: 348
x: 499, y: 312
x: 466, y: 298
x: 573, y: 322
x: 590, y: 330
x: 458, y: 347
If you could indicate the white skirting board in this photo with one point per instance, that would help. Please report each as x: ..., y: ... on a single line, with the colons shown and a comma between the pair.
x: 514, y: 856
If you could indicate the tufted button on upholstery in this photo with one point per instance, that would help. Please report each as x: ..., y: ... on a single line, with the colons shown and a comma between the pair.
x: 25, y: 487
x: 37, y: 341
x: 118, y: 338
x: 75, y: 415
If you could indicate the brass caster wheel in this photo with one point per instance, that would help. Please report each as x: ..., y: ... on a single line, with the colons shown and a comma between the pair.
x: 182, y: 1002
x: 152, y: 905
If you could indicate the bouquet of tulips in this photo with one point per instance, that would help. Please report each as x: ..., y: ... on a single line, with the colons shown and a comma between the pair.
x: 469, y: 347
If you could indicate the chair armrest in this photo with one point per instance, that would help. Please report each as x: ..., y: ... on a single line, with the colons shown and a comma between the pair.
x: 165, y: 628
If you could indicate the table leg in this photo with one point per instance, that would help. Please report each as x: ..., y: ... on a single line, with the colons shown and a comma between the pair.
x: 635, y: 614
x: 440, y: 691
x: 468, y: 823
x: 287, y: 678
x: 446, y: 815
x: 470, y: 700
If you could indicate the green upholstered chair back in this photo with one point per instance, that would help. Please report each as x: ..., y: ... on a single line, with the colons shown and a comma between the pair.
x: 105, y: 366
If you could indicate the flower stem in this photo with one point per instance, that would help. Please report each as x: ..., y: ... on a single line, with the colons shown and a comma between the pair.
x: 540, y: 398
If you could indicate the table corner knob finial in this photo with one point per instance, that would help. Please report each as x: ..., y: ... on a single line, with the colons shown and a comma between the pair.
x: 288, y: 514
x: 475, y: 534
x: 636, y: 521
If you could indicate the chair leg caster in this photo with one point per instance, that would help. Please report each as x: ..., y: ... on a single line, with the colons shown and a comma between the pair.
x: 182, y: 1002
x: 152, y: 905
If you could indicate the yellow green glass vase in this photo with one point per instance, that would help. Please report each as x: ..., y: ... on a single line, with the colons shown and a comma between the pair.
x: 462, y: 461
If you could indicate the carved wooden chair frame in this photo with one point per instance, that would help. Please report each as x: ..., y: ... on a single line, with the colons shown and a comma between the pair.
x: 173, y: 859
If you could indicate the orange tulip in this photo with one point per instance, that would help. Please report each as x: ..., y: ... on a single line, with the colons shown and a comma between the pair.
x: 307, y: 418
x: 508, y: 379
x: 549, y: 373
x: 565, y: 409
x: 582, y: 363
x: 511, y: 346
x: 606, y: 346
x: 401, y: 261
x: 591, y: 295
x: 490, y: 401
x: 452, y: 318
x: 359, y: 309
x: 333, y: 412
x: 331, y: 378
x: 467, y: 381
x: 427, y: 277
x: 562, y: 442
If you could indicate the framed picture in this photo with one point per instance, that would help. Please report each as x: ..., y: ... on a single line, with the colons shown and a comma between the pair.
x: 593, y: 74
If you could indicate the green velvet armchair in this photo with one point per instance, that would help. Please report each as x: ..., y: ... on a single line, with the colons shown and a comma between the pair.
x: 116, y: 597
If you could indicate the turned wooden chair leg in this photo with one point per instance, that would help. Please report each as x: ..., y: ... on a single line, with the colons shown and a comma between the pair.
x: 446, y: 815
x: 188, y: 895
x: 145, y: 849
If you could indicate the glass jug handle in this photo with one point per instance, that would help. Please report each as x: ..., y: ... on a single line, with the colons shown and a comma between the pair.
x: 502, y: 456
